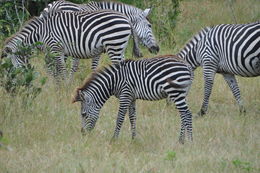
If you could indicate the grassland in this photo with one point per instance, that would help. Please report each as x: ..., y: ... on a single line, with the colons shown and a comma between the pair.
x: 46, y: 136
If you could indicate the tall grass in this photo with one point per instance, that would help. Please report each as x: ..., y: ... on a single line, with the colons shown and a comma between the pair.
x: 46, y: 137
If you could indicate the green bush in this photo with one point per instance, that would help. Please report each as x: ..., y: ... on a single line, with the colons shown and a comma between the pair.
x: 20, y: 81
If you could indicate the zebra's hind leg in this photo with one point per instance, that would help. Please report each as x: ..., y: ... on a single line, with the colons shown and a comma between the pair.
x: 232, y: 83
x: 132, y: 117
x: 178, y: 97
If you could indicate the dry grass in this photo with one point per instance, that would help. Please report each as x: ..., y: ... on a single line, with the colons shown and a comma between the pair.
x: 46, y: 137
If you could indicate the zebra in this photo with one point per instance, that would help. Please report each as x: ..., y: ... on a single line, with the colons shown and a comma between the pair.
x: 142, y: 29
x: 76, y: 34
x: 147, y: 79
x: 228, y: 49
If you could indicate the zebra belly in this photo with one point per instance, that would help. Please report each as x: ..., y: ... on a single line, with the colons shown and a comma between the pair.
x: 245, y: 67
x: 75, y: 51
x: 151, y: 95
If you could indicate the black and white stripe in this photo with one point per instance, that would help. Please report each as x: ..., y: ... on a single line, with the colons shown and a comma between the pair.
x: 76, y: 34
x: 148, y: 79
x: 228, y: 49
x: 142, y: 29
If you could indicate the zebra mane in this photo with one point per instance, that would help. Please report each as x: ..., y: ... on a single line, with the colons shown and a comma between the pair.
x: 119, y: 3
x: 193, y: 41
x: 199, y: 35
x: 96, y: 73
x: 132, y: 9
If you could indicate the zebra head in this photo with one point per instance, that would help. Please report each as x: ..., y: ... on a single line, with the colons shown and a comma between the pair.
x: 143, y: 30
x: 89, y: 110
x: 18, y: 59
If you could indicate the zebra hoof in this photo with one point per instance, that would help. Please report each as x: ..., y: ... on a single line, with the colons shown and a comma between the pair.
x: 201, y: 113
x: 113, y: 140
x: 181, y: 140
x: 138, y: 54
x: 242, y: 110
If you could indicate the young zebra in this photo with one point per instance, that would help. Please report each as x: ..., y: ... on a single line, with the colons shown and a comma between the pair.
x: 228, y: 49
x: 142, y: 30
x: 147, y: 79
x: 76, y: 34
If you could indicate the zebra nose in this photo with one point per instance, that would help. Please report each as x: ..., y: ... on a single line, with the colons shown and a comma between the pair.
x: 154, y: 49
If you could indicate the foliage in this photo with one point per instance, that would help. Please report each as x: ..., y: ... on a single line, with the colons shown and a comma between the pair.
x: 170, y: 155
x: 21, y: 80
x: 12, y: 16
x: 242, y: 165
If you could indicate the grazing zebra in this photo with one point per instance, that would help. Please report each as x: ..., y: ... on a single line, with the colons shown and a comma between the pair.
x: 147, y: 79
x: 76, y: 34
x: 142, y: 29
x: 228, y: 49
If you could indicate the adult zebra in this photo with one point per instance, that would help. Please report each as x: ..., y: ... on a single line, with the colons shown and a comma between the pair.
x: 142, y: 29
x: 76, y: 34
x: 228, y: 49
x: 147, y: 79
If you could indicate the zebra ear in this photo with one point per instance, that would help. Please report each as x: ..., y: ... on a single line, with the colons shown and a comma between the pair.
x: 78, y: 96
x: 147, y: 12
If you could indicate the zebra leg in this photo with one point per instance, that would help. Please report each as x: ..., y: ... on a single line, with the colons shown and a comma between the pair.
x: 61, y: 67
x: 232, y: 83
x: 132, y: 117
x: 74, y: 67
x: 209, y: 75
x: 136, y: 50
x: 116, y: 53
x: 50, y: 65
x: 95, y: 61
x: 186, y: 117
x: 124, y: 104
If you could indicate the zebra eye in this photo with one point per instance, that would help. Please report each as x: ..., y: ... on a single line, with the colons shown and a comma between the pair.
x: 149, y: 25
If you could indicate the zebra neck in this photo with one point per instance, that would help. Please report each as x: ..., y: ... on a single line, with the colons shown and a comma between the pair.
x: 193, y: 50
x: 189, y: 54
x: 28, y: 35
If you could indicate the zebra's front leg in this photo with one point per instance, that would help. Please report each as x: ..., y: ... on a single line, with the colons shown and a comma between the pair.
x: 124, y: 104
x: 208, y: 84
x: 61, y: 67
x: 132, y: 117
x: 136, y: 50
x: 95, y: 62
x: 232, y: 83
x: 74, y: 67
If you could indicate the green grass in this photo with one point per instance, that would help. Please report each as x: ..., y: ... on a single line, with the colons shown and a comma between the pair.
x: 46, y: 137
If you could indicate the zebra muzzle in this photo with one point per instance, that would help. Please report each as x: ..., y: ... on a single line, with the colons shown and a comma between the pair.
x: 154, y: 49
